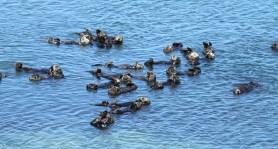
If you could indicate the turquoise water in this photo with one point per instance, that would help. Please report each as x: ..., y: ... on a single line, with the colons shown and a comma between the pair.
x: 201, y: 112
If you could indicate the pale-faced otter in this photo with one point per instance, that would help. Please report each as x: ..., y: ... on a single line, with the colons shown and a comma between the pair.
x: 149, y: 77
x: 19, y: 68
x: 246, y: 88
x: 117, y: 40
x: 56, y: 72
x: 115, y: 90
x: 190, y: 72
x: 191, y: 56
x: 93, y: 86
x: 55, y: 41
x: 103, y: 120
x: 168, y: 49
x: 275, y: 46
x: 175, y: 60
x: 2, y: 76
x: 84, y: 40
x: 177, y: 45
x: 209, y: 53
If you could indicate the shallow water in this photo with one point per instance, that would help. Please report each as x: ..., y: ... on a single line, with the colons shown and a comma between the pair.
x: 201, y: 112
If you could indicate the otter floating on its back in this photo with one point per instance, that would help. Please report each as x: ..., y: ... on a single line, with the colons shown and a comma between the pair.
x: 246, y: 88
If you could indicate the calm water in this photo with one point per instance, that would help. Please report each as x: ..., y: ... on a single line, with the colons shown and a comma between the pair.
x: 200, y: 113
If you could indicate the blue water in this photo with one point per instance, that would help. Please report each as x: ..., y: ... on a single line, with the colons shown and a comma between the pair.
x: 200, y: 113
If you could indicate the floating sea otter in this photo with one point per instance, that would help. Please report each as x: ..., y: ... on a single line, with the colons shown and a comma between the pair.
x: 149, y: 77
x: 246, y: 88
x: 53, y: 72
x: 116, y: 90
x: 191, y: 56
x: 120, y: 108
x: 190, y: 72
x: 172, y: 81
x: 209, y: 53
x: 110, y: 64
x: 93, y: 86
x: 124, y: 78
x: 55, y: 41
x: 103, y: 120
x: 275, y: 46
x: 174, y: 61
x: 19, y: 68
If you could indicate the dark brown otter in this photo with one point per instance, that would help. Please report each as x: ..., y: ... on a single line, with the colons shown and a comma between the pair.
x: 115, y: 90
x: 103, y: 120
x: 149, y: 77
x: 174, y: 61
x: 93, y: 86
x: 172, y: 81
x: 37, y: 77
x: 19, y: 68
x: 246, y: 88
x: 190, y: 72
x: 110, y: 64
x: 177, y: 45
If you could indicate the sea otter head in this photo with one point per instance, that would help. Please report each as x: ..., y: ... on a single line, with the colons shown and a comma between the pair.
x: 175, y: 60
x: 92, y: 86
x: 144, y: 100
x: 114, y: 90
x: 35, y: 77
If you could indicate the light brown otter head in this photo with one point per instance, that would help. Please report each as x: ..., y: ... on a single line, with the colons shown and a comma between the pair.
x: 54, y: 68
x: 168, y: 49
x: 35, y: 77
x: 237, y: 91
x: 118, y: 39
x: 151, y: 77
x: 171, y: 70
x: 174, y: 79
x: 114, y: 90
x: 125, y: 78
x: 137, y: 65
x: 144, y: 100
x: 175, y: 60
x: 210, y: 55
x: 84, y: 40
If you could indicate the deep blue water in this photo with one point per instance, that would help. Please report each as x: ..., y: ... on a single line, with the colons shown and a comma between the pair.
x: 201, y: 112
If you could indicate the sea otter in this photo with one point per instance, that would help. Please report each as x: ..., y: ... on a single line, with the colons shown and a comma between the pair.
x: 103, y: 120
x: 115, y: 90
x: 275, y: 46
x: 209, y: 53
x: 246, y: 88
x: 55, y: 41
x: 149, y: 77
x: 191, y: 56
x: 175, y: 60
x: 190, y: 72
x: 172, y: 81
x: 110, y: 64
x: 116, y: 108
x: 168, y: 49
x: 56, y: 72
x: 19, y: 68
x: 93, y: 86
